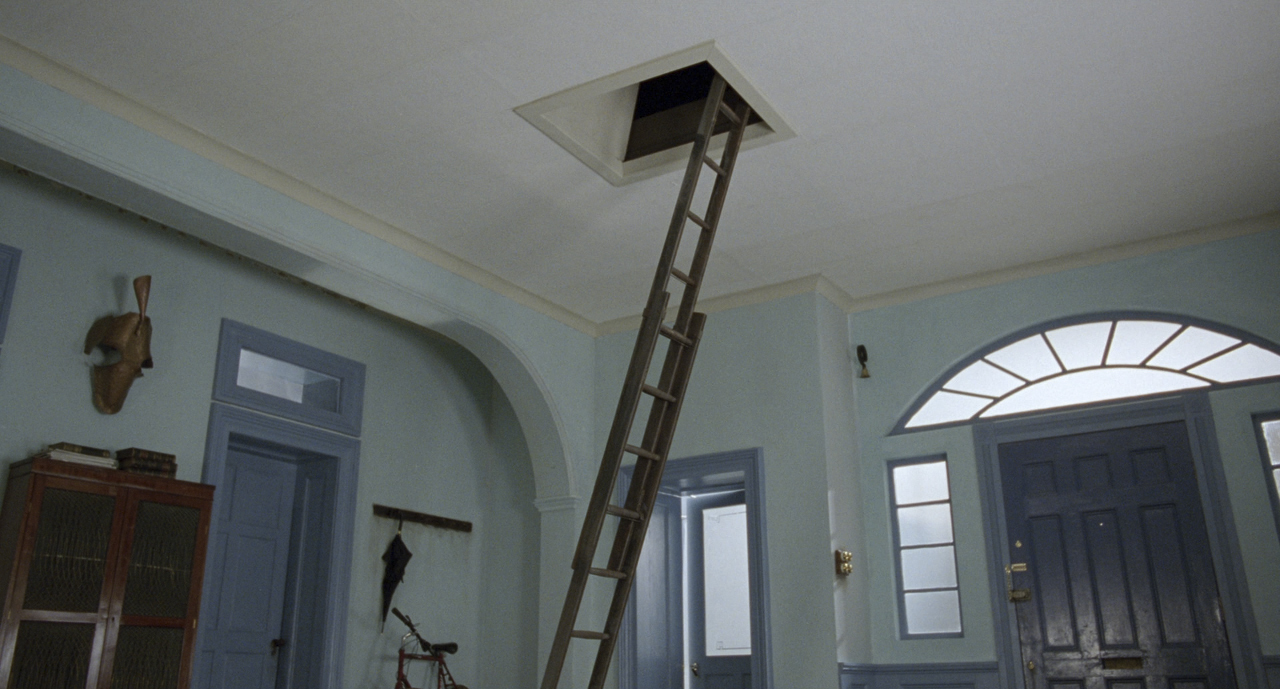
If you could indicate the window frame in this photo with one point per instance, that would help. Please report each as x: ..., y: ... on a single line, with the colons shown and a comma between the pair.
x: 1269, y: 464
x: 350, y: 373
x: 9, y: 259
x: 1182, y: 320
x: 904, y: 631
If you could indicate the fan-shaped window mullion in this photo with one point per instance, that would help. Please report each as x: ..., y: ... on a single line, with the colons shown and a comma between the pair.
x: 1092, y: 360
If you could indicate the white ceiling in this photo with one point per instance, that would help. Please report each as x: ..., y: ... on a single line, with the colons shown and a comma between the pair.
x: 937, y: 140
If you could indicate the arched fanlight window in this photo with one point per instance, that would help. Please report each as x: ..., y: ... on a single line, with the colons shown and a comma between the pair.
x: 1095, y: 359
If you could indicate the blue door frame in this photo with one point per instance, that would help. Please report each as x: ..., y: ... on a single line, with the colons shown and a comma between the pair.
x: 740, y: 467
x: 341, y: 454
x: 1224, y: 544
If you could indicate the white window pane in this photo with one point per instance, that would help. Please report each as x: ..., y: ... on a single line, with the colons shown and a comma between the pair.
x: 1250, y: 361
x: 913, y: 483
x: 1080, y: 346
x: 1134, y: 341
x: 935, y: 612
x: 1094, y: 385
x: 924, y: 525
x: 1275, y: 476
x: 1271, y: 432
x: 1191, y: 346
x: 928, y: 568
x: 1029, y: 358
x: 945, y: 407
x: 726, y: 592
x: 981, y: 378
x: 287, y: 381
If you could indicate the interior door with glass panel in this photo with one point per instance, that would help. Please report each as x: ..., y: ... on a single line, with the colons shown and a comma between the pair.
x: 1111, y: 571
x: 719, y: 592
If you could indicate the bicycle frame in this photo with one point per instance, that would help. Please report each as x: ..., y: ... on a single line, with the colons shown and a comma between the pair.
x: 444, y: 678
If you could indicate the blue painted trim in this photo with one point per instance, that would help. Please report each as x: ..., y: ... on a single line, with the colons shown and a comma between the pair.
x: 689, y: 473
x: 900, y: 427
x: 236, y: 336
x: 1272, y: 668
x: 903, y: 632
x: 225, y: 422
x: 1269, y: 477
x: 9, y: 258
x: 1193, y: 409
x: 966, y: 675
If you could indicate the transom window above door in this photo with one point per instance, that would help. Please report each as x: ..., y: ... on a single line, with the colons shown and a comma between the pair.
x: 1089, y: 360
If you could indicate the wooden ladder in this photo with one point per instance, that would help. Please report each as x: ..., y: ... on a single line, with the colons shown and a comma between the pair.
x: 651, y: 455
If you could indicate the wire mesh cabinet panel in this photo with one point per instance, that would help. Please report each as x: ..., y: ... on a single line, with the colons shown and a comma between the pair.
x: 104, y: 585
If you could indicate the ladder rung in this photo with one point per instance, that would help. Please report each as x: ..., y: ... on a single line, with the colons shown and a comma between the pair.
x: 584, y: 634
x: 660, y: 394
x: 729, y: 113
x: 682, y: 276
x: 715, y: 167
x: 624, y: 512
x: 699, y: 221
x: 641, y: 452
x: 668, y: 332
x: 609, y: 573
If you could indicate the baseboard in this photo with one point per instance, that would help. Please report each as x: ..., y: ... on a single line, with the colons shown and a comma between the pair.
x: 921, y: 676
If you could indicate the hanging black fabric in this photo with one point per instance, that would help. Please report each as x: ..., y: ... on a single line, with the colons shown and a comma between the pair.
x: 396, y: 558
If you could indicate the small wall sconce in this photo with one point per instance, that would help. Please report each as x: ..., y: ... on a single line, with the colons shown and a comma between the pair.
x: 844, y: 563
x: 862, y: 360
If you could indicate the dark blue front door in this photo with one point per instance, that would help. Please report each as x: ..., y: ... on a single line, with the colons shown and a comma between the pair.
x: 1111, y: 562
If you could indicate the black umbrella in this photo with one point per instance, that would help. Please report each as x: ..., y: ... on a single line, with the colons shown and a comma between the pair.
x: 397, y: 558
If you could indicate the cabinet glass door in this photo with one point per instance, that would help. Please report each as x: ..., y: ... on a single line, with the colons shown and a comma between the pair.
x: 69, y: 561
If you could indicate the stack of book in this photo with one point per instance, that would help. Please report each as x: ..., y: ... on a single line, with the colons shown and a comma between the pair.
x: 80, y: 454
x: 142, y: 461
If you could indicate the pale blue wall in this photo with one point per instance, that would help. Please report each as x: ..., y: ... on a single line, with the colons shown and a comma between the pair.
x: 439, y: 436
x: 757, y: 383
x: 1233, y: 281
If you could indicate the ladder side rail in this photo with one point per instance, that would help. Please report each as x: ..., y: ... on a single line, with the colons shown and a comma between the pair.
x: 715, y: 206
x: 628, y: 402
x: 564, y: 631
x: 622, y: 591
x: 687, y: 188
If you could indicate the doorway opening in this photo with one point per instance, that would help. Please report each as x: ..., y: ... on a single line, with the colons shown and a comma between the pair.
x: 274, y: 610
x: 698, y: 615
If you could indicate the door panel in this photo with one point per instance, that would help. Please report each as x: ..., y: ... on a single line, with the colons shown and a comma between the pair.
x: 249, y: 560
x: 658, y: 601
x: 722, y: 661
x: 1122, y: 587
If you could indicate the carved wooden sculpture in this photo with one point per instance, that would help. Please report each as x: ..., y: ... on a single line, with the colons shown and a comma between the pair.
x: 126, y: 343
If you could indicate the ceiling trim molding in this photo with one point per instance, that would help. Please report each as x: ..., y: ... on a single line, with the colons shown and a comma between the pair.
x: 751, y: 297
x: 1119, y: 252
x: 81, y: 87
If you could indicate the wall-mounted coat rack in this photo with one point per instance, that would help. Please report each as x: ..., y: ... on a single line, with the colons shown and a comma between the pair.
x: 421, y: 518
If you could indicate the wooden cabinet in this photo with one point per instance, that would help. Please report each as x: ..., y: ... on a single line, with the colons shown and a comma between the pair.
x: 101, y: 573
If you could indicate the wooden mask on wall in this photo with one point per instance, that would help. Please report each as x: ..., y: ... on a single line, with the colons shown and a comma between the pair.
x: 126, y: 345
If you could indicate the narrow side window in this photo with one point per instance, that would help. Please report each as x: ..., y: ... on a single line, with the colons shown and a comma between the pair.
x: 8, y: 278
x: 1268, y: 426
x: 925, y: 549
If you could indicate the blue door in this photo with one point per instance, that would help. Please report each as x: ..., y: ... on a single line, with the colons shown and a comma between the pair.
x: 1111, y: 573
x: 657, y: 600
x: 249, y: 553
x: 719, y: 593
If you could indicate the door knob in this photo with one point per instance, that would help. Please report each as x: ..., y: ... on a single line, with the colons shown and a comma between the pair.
x: 276, y: 644
x: 694, y: 669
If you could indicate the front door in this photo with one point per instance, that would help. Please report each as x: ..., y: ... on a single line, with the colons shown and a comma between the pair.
x: 719, y: 592
x: 1110, y: 562
x: 250, y: 556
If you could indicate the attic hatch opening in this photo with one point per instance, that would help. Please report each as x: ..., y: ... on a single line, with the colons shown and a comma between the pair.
x: 669, y: 106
